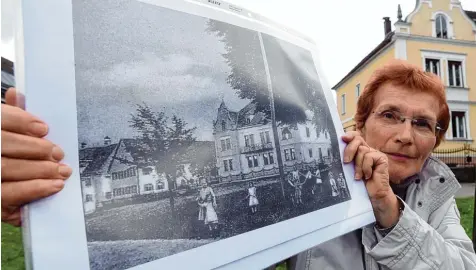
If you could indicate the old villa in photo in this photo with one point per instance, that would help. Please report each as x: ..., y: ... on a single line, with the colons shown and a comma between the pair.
x: 245, y: 144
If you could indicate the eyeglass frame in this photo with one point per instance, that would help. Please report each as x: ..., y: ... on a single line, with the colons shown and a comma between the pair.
x: 402, y: 118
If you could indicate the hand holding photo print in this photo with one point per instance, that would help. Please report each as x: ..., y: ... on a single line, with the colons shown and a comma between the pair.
x: 196, y: 131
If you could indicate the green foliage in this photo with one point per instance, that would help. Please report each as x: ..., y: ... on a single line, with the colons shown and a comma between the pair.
x: 466, y: 206
x: 12, y: 248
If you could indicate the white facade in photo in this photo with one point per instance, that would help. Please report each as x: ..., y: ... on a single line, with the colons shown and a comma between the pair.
x: 245, y: 142
x: 109, y: 172
x: 151, y: 182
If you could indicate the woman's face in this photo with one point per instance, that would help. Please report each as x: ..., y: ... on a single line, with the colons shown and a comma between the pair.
x: 405, y: 149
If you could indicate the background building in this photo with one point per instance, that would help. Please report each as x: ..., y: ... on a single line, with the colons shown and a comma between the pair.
x: 439, y: 36
x: 8, y: 78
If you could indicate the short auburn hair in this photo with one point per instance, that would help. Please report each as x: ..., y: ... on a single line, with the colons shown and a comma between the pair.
x: 412, y: 77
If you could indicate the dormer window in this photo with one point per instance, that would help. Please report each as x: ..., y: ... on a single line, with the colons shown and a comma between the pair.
x: 441, y: 27
x: 249, y: 118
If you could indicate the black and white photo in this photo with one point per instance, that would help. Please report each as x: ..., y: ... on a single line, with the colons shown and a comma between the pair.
x: 196, y: 135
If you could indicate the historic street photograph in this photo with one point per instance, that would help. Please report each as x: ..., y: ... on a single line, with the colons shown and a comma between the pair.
x: 193, y: 130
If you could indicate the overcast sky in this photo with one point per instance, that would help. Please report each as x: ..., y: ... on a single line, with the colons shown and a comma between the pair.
x: 346, y: 30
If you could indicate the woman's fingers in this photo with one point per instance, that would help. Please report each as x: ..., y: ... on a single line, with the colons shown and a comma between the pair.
x: 368, y: 164
x: 12, y: 216
x: 350, y: 135
x: 16, y: 120
x: 16, y: 194
x: 359, y: 158
x: 13, y: 98
x: 37, y: 169
x: 27, y: 147
x: 352, y: 148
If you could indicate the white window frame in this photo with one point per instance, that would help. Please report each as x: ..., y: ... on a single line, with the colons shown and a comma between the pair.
x: 454, y: 79
x: 357, y: 92
x: 224, y: 139
x: 449, y: 24
x: 467, y: 129
x: 439, y: 69
x: 343, y: 103
x: 444, y: 57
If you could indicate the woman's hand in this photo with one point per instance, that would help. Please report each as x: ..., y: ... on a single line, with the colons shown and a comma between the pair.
x: 372, y: 166
x: 30, y: 164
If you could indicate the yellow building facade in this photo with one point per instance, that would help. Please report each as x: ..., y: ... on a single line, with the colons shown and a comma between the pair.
x: 439, y: 36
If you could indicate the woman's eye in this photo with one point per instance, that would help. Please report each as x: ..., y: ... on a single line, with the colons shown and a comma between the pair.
x: 388, y: 115
x: 422, y: 123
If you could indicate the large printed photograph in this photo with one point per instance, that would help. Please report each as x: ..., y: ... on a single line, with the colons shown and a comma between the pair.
x: 192, y: 131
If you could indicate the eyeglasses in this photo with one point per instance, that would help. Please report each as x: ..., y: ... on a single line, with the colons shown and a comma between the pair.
x: 424, y: 127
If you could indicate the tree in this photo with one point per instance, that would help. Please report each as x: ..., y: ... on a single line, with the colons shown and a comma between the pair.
x: 160, y: 144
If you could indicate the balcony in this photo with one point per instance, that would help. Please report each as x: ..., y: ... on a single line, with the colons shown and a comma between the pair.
x: 257, y: 148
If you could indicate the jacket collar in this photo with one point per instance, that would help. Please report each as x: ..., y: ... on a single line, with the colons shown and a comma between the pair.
x: 436, y: 184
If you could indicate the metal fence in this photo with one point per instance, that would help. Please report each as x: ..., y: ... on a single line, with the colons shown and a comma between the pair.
x: 462, y: 161
x: 464, y: 156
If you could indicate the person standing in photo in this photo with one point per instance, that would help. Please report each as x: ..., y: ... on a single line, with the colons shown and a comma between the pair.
x: 210, y: 204
x: 253, y: 199
x: 342, y: 186
x: 317, y: 185
x: 297, y: 184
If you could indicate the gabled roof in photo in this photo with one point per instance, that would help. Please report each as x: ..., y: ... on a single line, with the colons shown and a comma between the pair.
x: 98, y: 157
x: 388, y: 38
x: 240, y: 118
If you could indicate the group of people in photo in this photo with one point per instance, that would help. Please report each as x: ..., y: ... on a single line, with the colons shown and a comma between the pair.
x: 297, y: 179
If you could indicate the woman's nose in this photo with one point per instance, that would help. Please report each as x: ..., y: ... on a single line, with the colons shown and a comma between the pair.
x: 406, y: 132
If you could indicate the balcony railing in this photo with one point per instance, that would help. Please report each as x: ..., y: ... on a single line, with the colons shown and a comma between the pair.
x: 257, y: 148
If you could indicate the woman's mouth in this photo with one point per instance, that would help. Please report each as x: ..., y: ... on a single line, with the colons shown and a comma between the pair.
x: 399, y: 157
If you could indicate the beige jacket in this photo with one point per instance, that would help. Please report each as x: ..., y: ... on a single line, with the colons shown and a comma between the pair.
x: 427, y: 236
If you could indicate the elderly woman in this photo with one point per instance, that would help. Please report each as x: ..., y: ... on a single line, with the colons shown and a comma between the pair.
x: 401, y: 117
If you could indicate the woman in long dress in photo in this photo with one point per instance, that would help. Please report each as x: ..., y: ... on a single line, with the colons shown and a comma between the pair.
x: 334, y: 188
x: 253, y: 199
x: 210, y: 204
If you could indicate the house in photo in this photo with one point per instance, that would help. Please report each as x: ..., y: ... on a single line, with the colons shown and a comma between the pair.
x: 95, y: 180
x: 108, y: 173
x: 245, y: 144
x: 440, y: 37
x: 197, y: 164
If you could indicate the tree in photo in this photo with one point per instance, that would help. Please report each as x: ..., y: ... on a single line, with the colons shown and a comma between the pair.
x: 160, y: 144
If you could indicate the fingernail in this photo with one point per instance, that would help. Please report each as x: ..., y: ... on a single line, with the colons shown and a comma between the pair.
x: 58, y: 183
x: 357, y: 176
x: 38, y: 128
x: 57, y: 153
x: 65, y: 170
x: 346, y: 159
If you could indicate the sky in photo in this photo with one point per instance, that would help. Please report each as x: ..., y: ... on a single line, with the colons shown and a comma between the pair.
x: 177, y: 67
